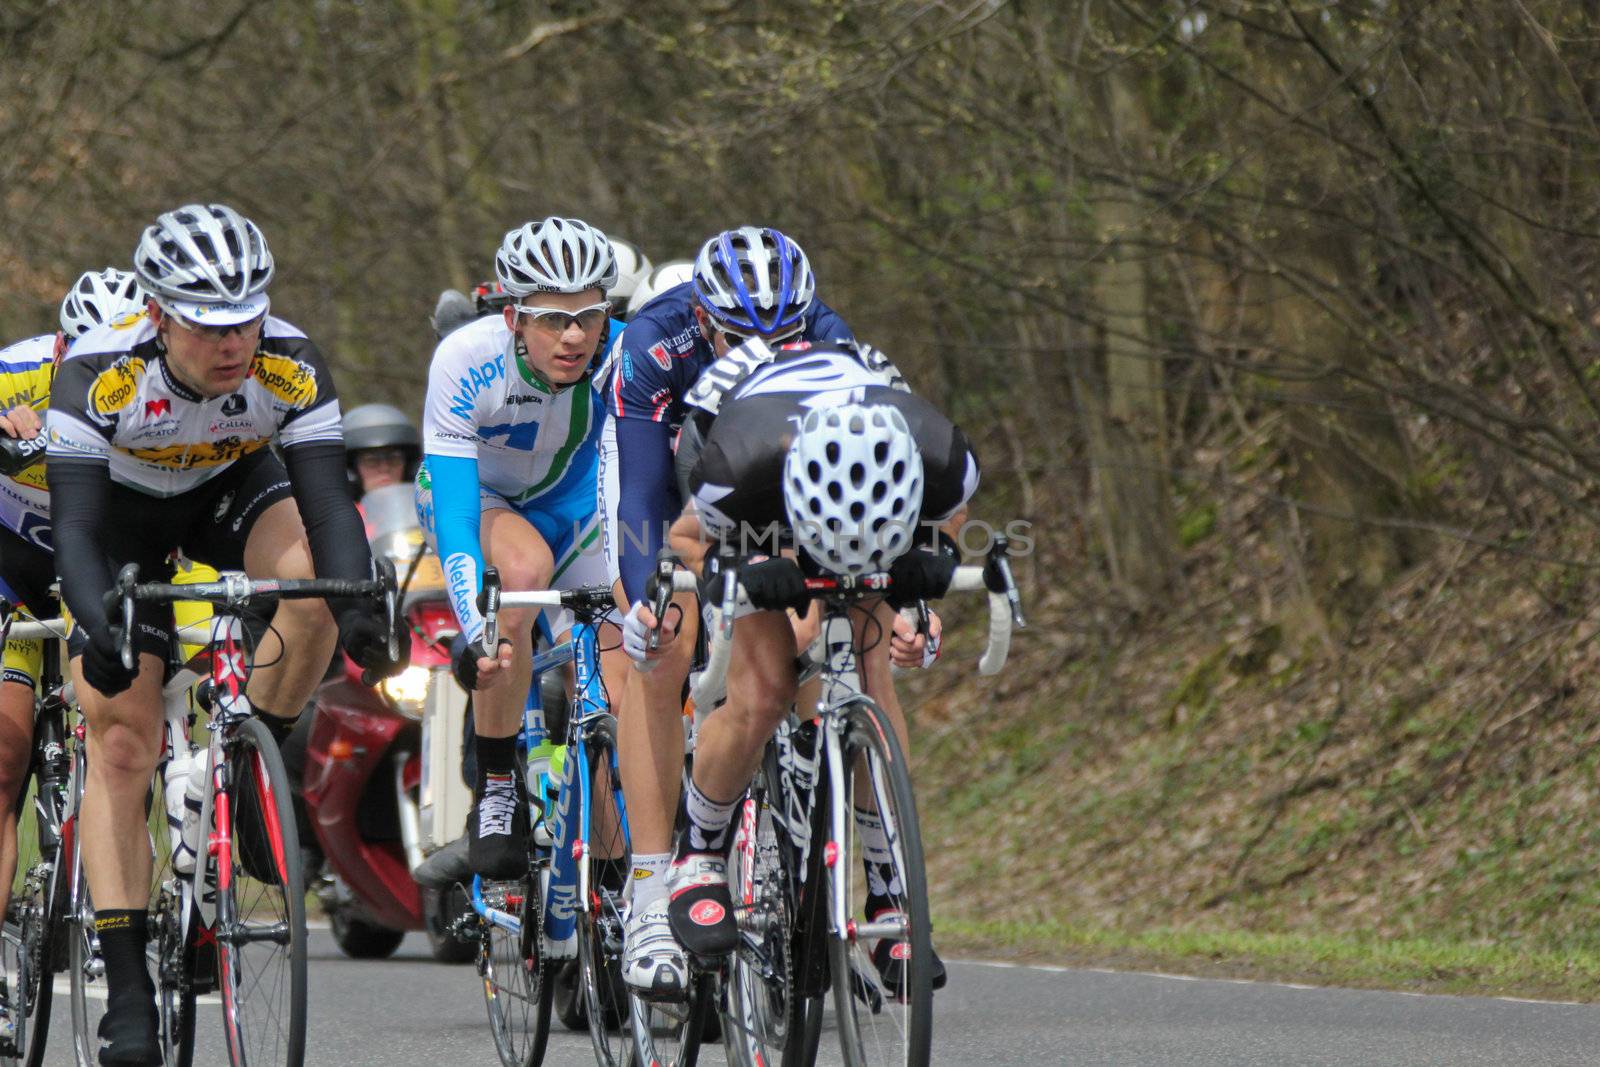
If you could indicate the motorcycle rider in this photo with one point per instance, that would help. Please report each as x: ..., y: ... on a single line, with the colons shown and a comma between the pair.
x: 382, y: 447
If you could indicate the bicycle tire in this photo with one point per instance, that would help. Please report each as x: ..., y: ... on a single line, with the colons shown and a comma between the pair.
x: 669, y: 1033
x: 517, y: 981
x: 600, y: 917
x: 263, y: 1016
x: 763, y: 1015
x: 882, y: 1022
x: 33, y: 921
x: 86, y: 971
x: 175, y: 994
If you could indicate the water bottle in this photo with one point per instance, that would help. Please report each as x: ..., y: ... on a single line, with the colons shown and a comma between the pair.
x: 185, y: 795
x: 544, y: 764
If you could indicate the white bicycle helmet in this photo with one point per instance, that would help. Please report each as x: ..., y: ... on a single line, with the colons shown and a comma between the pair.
x: 555, y: 255
x: 754, y: 280
x: 99, y: 296
x: 633, y: 266
x: 204, y: 254
x: 852, y: 487
x: 668, y: 275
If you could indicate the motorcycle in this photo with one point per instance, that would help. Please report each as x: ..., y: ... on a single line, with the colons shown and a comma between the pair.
x: 373, y: 805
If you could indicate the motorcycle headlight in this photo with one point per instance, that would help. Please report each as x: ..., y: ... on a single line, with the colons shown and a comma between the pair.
x: 408, y: 690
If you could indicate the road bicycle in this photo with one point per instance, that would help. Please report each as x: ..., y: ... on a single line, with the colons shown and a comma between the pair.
x: 570, y: 903
x: 32, y: 942
x: 234, y: 922
x: 49, y: 921
x: 833, y: 787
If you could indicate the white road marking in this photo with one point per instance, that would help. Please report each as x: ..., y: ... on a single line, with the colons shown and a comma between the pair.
x: 1054, y: 969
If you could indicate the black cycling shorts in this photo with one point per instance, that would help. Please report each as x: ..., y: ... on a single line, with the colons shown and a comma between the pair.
x: 211, y: 523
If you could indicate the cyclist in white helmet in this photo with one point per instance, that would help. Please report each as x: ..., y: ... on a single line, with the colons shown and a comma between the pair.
x: 27, y: 566
x: 666, y: 276
x: 765, y: 452
x: 633, y: 267
x: 164, y: 421
x: 509, y: 431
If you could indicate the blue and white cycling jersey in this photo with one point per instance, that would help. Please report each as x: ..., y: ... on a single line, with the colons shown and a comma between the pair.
x: 648, y: 372
x: 495, y: 436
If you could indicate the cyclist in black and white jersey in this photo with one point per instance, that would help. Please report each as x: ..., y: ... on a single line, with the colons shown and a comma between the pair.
x: 159, y: 430
x: 732, y: 458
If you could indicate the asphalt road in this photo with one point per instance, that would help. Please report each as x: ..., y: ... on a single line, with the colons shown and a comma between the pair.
x: 410, y: 1010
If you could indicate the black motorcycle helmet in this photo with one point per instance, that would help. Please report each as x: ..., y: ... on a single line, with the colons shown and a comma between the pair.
x: 379, y: 426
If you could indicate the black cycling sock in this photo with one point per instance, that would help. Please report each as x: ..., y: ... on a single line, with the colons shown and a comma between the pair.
x: 704, y: 822
x: 279, y: 727
x: 496, y: 755
x: 123, y: 936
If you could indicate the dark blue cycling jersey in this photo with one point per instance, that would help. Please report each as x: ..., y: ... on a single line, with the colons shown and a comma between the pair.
x: 644, y: 380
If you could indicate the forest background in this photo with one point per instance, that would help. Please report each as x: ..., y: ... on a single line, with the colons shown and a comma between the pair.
x: 1277, y: 319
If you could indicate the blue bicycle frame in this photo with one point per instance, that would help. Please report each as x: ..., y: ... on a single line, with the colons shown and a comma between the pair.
x: 567, y: 885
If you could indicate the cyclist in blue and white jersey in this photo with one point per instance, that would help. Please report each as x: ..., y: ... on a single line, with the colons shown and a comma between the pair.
x: 746, y: 282
x: 509, y: 432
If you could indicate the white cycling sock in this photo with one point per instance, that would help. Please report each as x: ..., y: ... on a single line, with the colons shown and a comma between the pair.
x: 649, y: 881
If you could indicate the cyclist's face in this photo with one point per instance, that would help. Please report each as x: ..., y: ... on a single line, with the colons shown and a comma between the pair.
x: 560, y: 355
x: 720, y: 342
x: 380, y: 467
x: 211, y: 365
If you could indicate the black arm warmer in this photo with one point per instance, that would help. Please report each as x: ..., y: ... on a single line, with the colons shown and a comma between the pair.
x: 322, y: 492
x: 78, y: 492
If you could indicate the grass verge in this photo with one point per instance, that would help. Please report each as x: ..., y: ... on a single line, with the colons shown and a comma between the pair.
x: 1420, y: 965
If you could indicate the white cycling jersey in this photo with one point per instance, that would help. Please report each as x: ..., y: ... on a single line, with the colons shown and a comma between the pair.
x: 484, y: 403
x: 115, y: 399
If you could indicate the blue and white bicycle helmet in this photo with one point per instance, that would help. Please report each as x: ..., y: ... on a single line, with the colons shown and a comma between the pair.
x: 754, y: 280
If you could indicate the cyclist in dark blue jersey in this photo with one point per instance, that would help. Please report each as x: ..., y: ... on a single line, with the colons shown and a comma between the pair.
x: 747, y: 282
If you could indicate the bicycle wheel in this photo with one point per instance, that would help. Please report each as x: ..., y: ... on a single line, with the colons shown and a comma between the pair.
x: 516, y: 977
x: 34, y: 917
x: 175, y: 970
x: 762, y: 1009
x: 86, y: 970
x: 883, y: 1017
x: 261, y: 916
x: 600, y: 917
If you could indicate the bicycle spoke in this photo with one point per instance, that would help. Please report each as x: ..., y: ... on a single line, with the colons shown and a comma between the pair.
x: 882, y: 967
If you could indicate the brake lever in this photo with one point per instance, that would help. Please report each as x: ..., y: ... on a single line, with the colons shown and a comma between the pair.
x: 999, y: 573
x: 127, y: 578
x: 659, y: 589
x: 489, y: 608
x: 391, y: 604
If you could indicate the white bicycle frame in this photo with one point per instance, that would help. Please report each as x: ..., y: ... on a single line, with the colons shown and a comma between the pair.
x: 834, y: 650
